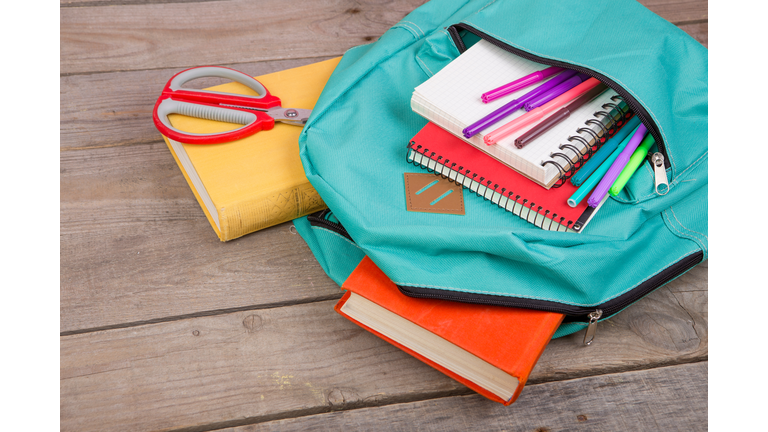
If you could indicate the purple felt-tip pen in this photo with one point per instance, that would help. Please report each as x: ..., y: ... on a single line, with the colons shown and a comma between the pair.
x: 519, y: 84
x: 514, y: 105
x: 543, y: 98
x: 613, y: 172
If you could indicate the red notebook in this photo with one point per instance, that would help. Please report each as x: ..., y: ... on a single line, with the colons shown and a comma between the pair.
x: 438, y: 150
x: 490, y: 349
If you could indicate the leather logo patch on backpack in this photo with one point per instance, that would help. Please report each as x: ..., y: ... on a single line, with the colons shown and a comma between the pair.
x: 432, y: 194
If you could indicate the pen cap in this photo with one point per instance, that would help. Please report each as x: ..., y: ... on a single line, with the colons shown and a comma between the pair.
x: 635, y: 160
x: 593, y: 179
x: 613, y: 172
x: 605, y: 151
x: 519, y: 84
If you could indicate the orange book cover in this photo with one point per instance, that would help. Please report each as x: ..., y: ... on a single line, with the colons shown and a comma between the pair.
x: 510, y: 339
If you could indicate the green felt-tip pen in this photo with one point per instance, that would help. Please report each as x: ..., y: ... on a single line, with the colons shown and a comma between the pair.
x: 634, y: 162
x: 596, y: 176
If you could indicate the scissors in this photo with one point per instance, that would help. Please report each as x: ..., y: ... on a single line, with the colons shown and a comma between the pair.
x: 256, y: 113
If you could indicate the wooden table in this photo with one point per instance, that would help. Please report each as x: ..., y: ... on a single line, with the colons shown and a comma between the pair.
x: 163, y: 327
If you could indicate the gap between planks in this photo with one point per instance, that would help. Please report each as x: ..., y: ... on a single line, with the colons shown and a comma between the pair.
x: 135, y: 40
x: 330, y: 364
x: 297, y: 414
x: 206, y: 313
x: 92, y: 118
x: 229, y: 65
x: 448, y: 397
x: 316, y: 59
x: 100, y: 3
x: 180, y: 35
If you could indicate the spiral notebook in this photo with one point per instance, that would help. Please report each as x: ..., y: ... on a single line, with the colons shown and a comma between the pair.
x: 442, y: 153
x: 451, y: 99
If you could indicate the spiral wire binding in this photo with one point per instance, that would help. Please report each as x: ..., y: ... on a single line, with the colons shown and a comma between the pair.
x: 485, y: 188
x: 568, y: 167
x: 488, y: 190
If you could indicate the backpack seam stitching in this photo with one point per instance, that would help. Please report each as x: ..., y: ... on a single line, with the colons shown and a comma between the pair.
x: 545, y: 298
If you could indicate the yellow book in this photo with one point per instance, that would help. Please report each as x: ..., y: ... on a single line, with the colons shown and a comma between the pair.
x: 258, y: 181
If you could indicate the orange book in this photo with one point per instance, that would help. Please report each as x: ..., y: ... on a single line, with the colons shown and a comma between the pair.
x: 490, y: 349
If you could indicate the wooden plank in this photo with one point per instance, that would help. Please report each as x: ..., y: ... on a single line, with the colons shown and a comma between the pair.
x: 699, y: 31
x: 92, y: 115
x: 133, y: 237
x: 110, y: 109
x: 83, y: 3
x: 672, y: 10
x: 135, y: 246
x: 176, y: 35
x: 671, y: 319
x: 254, y: 366
x: 679, y: 11
x: 662, y: 399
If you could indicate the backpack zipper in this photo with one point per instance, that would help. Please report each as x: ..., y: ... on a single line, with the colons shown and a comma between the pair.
x: 659, y: 173
x: 589, y: 335
x: 320, y: 219
x: 633, y: 104
x: 591, y: 314
x: 572, y: 313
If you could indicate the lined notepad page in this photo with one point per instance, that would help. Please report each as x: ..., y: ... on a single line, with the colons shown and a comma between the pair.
x: 451, y: 99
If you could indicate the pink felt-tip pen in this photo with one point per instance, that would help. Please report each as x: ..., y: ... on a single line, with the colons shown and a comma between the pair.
x: 519, y: 83
x: 539, y: 113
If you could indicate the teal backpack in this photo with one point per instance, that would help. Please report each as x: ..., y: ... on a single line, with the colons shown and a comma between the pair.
x: 353, y: 150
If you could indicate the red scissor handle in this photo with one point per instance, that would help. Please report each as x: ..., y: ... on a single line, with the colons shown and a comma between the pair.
x: 212, y: 106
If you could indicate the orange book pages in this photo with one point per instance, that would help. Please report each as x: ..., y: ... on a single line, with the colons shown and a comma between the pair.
x: 509, y: 338
x: 459, y: 378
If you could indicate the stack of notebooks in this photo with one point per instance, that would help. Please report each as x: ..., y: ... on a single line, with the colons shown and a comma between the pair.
x: 530, y: 181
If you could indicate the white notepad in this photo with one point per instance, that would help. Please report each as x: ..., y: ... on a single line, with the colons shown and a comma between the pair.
x: 451, y: 99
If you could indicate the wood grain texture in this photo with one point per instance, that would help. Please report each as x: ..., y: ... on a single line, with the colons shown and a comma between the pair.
x: 89, y: 3
x: 163, y: 35
x: 699, y: 31
x: 135, y: 246
x: 133, y: 237
x: 111, y: 109
x: 253, y: 366
x: 137, y: 249
x: 672, y: 319
x: 670, y: 10
x: 664, y: 399
x: 178, y: 35
x: 679, y: 11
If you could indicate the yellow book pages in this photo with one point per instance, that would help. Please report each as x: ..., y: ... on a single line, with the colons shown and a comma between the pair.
x: 258, y: 181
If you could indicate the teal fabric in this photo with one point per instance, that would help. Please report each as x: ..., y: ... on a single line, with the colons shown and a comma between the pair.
x: 353, y: 151
x: 336, y: 254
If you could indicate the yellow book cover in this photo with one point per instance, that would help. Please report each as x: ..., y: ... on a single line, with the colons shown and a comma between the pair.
x: 258, y: 181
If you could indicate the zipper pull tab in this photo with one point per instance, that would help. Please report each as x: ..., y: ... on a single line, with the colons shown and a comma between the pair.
x: 589, y: 336
x: 662, y: 186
